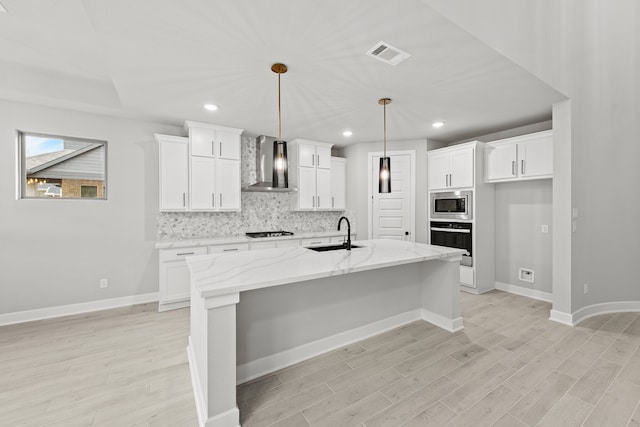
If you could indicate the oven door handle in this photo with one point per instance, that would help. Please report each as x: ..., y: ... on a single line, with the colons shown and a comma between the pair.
x: 451, y: 230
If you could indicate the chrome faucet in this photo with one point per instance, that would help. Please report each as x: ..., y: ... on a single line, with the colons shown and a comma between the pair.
x: 348, y: 244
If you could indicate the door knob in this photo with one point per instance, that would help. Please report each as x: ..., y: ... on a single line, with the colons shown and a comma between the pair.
x: 406, y: 233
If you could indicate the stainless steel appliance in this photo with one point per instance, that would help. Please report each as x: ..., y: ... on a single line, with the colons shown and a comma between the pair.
x: 257, y: 234
x: 454, y: 235
x: 452, y: 205
x: 264, y: 166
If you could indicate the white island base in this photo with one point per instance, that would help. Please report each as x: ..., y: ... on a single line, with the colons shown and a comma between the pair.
x: 256, y: 312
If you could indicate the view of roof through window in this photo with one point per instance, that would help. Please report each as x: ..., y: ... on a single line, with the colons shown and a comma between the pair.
x: 58, y: 167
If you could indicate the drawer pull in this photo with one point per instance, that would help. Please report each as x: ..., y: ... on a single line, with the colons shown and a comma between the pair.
x: 230, y: 250
x: 185, y: 253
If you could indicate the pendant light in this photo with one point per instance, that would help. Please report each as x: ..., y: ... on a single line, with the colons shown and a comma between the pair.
x: 280, y: 177
x: 384, y: 181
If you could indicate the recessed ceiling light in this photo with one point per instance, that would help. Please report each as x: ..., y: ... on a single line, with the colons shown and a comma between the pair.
x: 210, y: 107
x: 437, y: 124
x: 347, y: 133
x: 2, y: 8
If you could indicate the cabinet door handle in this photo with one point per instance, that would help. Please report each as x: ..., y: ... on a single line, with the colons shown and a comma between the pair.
x: 513, y: 167
x: 318, y: 158
x: 184, y: 253
x: 213, y: 149
x: 313, y: 201
x: 522, y: 166
x: 318, y: 201
x: 220, y: 199
x: 315, y: 243
x: 213, y: 200
x: 313, y: 160
x: 333, y: 202
x: 220, y: 148
x: 184, y: 200
x: 230, y: 250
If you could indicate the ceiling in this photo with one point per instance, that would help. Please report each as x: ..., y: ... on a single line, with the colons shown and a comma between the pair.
x: 161, y: 60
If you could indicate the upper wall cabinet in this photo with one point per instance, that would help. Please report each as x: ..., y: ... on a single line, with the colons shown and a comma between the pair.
x: 214, y: 164
x: 451, y: 168
x: 520, y: 158
x: 201, y: 172
x: 214, y: 141
x: 174, y: 173
x: 310, y: 172
x: 338, y: 183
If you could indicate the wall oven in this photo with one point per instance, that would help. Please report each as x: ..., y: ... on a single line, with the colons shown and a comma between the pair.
x: 452, y: 205
x: 454, y: 235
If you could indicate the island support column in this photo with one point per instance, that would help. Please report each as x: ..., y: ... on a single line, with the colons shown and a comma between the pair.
x: 212, y: 358
x: 441, y: 293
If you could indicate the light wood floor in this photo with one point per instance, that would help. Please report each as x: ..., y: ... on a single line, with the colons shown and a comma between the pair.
x: 509, y: 367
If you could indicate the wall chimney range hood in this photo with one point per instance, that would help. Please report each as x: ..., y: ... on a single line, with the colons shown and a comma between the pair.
x: 264, y: 167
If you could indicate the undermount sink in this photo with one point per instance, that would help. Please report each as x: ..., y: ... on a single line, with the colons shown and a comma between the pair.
x: 331, y: 248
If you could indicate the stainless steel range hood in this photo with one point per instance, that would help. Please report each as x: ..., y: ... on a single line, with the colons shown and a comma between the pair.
x: 264, y: 167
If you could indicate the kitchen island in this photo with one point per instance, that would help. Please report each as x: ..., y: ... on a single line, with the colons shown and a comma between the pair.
x: 255, y: 312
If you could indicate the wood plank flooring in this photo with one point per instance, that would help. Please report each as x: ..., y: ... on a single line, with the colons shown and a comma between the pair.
x: 510, y: 367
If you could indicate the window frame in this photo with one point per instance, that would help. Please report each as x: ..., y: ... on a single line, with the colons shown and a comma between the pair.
x: 21, y: 184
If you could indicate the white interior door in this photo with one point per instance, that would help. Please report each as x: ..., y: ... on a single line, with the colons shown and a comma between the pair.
x: 391, y: 213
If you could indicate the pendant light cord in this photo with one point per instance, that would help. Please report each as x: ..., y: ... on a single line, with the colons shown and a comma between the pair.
x: 279, y: 120
x: 384, y: 109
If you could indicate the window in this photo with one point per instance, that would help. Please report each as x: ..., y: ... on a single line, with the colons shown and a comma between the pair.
x: 57, y: 167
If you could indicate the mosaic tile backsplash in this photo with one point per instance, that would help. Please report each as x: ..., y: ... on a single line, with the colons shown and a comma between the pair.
x: 260, y: 212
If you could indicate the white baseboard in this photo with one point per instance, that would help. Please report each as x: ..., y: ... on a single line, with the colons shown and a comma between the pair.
x: 450, y: 325
x: 525, y: 292
x: 561, y: 317
x: 84, y: 307
x: 257, y: 368
x: 604, y: 308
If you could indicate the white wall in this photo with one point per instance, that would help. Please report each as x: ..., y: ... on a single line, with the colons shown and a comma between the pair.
x: 521, y: 208
x: 358, y: 179
x: 55, y: 251
x: 590, y: 51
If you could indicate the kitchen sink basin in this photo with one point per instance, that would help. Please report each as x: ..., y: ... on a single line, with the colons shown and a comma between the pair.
x: 331, y: 248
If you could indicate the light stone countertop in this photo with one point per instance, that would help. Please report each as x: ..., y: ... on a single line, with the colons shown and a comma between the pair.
x: 229, y: 273
x: 225, y: 240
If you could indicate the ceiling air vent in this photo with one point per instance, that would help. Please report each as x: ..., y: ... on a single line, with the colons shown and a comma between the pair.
x: 387, y: 53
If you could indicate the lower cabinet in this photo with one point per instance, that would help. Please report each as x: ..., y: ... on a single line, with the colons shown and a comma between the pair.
x: 175, y: 280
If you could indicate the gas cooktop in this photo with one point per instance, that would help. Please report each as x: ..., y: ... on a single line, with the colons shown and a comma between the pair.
x: 269, y: 234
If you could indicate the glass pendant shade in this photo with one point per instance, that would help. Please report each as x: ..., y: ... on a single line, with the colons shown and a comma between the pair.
x: 384, y: 182
x: 280, y: 177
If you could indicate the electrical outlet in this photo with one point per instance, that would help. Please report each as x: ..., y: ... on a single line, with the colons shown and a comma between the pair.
x: 574, y: 226
x: 104, y: 283
x: 544, y: 228
x: 574, y: 213
x: 526, y: 275
x: 586, y: 288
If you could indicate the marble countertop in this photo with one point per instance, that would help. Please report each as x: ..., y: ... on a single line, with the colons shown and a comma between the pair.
x: 229, y: 273
x: 224, y: 240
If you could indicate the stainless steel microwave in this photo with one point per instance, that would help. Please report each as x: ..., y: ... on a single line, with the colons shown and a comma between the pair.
x: 452, y: 205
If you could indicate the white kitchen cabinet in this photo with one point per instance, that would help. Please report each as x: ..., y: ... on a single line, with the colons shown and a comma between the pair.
x: 520, y: 158
x: 338, y: 183
x: 228, y: 184
x: 174, y: 173
x: 310, y: 173
x: 214, y: 141
x: 233, y: 247
x: 313, y: 241
x: 203, y: 183
x: 214, y: 167
x: 451, y: 168
x: 175, y: 279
